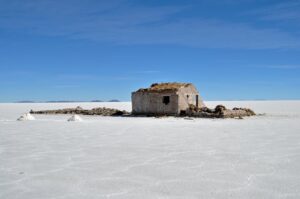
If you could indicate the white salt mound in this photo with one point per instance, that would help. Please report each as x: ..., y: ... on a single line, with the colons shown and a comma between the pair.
x: 75, y: 118
x: 25, y: 117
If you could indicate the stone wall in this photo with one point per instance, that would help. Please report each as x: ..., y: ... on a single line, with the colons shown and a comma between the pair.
x: 187, y: 96
x: 147, y: 103
x: 80, y: 111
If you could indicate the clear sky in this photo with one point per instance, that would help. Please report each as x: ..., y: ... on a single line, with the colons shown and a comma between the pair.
x: 93, y: 49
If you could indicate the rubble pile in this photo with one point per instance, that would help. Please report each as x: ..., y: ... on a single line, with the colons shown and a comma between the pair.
x: 219, y: 111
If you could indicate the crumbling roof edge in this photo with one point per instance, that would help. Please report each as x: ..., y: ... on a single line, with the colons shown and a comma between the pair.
x: 171, y: 87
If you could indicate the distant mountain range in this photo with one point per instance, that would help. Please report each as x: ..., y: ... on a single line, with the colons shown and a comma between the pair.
x: 64, y: 101
x: 114, y: 100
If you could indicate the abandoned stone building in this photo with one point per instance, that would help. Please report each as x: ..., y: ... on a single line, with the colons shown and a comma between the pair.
x: 165, y: 99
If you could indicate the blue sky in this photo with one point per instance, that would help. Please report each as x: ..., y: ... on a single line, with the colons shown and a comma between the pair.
x: 92, y: 49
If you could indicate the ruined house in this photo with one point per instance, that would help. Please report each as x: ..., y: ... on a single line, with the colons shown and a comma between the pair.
x: 165, y: 99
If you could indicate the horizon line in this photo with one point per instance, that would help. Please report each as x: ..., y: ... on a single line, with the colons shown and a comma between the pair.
x: 120, y: 101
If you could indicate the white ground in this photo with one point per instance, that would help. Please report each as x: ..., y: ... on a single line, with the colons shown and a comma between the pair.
x: 105, y: 157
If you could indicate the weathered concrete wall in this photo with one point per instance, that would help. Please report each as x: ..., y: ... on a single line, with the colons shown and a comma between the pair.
x: 147, y: 103
x: 187, y: 96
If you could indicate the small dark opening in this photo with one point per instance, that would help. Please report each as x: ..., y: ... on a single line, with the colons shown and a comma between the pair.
x: 182, y: 113
x: 187, y: 96
x: 166, y: 100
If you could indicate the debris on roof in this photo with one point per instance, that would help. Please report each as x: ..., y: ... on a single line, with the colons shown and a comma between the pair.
x: 162, y: 87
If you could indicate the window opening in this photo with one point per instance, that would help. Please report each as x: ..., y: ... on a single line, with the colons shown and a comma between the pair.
x: 166, y: 100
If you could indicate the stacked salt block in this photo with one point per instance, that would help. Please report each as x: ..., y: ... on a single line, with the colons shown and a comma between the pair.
x: 74, y: 118
x: 25, y: 117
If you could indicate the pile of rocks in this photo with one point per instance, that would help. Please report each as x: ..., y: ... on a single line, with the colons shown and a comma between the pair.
x: 219, y: 111
x: 80, y: 111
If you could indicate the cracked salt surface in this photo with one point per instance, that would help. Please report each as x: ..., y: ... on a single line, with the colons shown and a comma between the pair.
x: 115, y: 157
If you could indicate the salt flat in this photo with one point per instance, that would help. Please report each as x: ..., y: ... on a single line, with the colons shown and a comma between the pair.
x: 117, y: 157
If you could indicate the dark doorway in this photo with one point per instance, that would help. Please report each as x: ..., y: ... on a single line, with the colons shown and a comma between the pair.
x: 166, y: 100
x: 197, y: 101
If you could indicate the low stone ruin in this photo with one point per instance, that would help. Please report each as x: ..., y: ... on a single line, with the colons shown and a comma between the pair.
x: 80, y: 111
x: 219, y: 111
